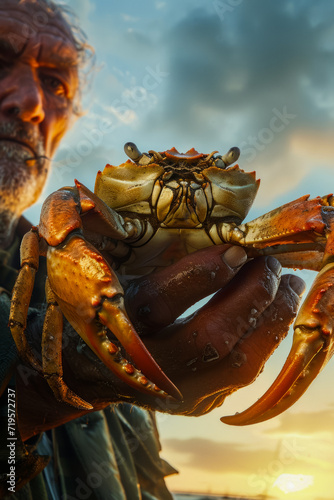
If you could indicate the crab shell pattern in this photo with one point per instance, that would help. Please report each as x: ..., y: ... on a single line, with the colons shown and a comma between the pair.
x: 179, y: 199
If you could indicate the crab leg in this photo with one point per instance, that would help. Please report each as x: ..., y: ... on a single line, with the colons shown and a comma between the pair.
x: 21, y: 297
x: 313, y: 342
x: 52, y: 353
x: 92, y: 301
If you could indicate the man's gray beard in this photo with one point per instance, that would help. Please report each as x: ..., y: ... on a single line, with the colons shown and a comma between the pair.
x: 21, y: 180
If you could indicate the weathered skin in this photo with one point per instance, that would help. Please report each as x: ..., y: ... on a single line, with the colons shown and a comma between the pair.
x: 146, y: 214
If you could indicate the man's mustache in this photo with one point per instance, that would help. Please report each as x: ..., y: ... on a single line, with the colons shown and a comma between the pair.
x: 25, y: 135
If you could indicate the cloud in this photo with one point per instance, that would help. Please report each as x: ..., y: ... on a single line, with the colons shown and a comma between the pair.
x: 129, y: 19
x: 248, y: 63
x: 304, y: 423
x: 314, y: 146
x: 127, y: 117
x: 208, y: 455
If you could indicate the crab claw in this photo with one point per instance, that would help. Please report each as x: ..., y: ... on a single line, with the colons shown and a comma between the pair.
x: 92, y: 301
x: 312, y: 348
x: 114, y: 317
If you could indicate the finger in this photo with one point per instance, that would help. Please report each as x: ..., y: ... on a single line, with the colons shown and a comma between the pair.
x: 250, y: 354
x: 232, y: 311
x: 207, y: 389
x: 157, y: 300
x: 211, y: 333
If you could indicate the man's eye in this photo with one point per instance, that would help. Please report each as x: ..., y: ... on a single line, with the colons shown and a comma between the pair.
x: 54, y: 85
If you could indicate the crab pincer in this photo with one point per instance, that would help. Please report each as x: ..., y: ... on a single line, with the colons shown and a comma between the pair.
x: 91, y: 298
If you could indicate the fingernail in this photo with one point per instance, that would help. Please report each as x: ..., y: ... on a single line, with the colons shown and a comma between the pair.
x: 274, y: 266
x: 297, y: 285
x: 234, y: 256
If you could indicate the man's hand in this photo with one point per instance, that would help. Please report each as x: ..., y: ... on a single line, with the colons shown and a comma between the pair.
x: 208, y: 355
x: 224, y: 345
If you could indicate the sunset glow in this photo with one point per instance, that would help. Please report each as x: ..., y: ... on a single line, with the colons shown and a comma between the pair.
x: 289, y: 483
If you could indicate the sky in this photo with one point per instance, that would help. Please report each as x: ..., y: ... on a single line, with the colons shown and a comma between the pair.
x: 257, y: 74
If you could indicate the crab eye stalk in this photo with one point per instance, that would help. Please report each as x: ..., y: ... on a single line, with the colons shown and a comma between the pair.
x: 134, y: 154
x: 132, y: 151
x: 224, y: 161
x: 231, y: 156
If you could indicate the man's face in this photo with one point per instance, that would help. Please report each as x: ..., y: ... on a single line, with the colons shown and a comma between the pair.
x: 38, y: 81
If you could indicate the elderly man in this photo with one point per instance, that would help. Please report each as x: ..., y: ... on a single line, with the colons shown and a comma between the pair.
x: 40, y: 61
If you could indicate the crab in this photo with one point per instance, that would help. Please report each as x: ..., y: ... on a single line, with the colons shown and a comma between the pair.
x: 146, y: 214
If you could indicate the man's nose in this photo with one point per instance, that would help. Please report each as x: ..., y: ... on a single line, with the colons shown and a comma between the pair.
x: 24, y: 98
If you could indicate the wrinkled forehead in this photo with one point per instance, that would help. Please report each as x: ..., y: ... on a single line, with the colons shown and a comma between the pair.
x: 28, y: 26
